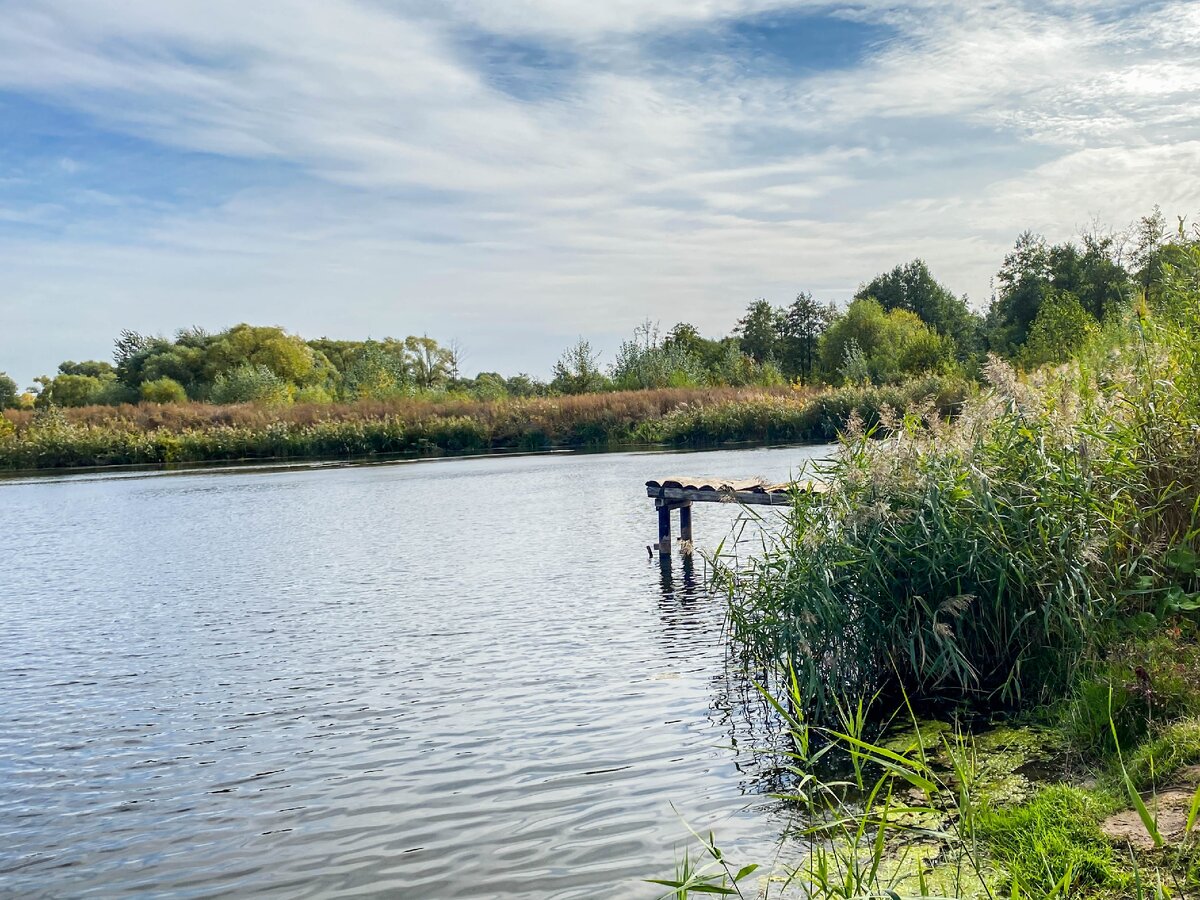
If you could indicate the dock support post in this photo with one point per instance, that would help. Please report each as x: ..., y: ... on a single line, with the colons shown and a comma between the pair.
x: 664, y: 530
x: 685, y: 527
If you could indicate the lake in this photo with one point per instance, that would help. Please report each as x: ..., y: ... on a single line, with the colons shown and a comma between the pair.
x: 443, y: 679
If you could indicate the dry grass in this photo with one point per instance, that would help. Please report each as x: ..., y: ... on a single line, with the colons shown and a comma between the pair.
x: 555, y: 411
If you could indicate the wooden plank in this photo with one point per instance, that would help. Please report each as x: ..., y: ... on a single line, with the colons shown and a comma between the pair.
x: 765, y: 495
x: 776, y: 498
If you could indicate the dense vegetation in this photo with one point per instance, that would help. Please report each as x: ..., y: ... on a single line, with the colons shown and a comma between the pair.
x: 256, y: 392
x: 1039, y: 556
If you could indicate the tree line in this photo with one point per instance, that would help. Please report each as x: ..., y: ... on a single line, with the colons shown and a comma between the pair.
x: 1048, y: 299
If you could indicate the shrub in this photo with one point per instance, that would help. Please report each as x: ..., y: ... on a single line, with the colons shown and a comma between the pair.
x: 163, y: 390
x: 250, y: 384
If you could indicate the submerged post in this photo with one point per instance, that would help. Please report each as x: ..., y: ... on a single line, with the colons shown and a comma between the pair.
x: 685, y: 527
x: 664, y: 529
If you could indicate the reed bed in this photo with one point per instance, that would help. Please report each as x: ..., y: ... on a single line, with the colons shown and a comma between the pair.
x: 152, y: 433
x: 988, y: 559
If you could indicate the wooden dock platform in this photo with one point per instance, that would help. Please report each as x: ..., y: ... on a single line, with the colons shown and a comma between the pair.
x: 680, y: 492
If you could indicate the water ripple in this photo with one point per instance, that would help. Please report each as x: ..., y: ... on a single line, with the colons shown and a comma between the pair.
x: 460, y: 680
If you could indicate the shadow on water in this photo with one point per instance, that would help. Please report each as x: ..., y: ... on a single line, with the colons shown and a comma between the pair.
x: 738, y: 708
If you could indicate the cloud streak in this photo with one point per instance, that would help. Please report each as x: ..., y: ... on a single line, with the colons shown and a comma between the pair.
x: 514, y: 174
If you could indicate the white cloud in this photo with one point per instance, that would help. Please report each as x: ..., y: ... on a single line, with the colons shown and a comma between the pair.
x: 427, y: 198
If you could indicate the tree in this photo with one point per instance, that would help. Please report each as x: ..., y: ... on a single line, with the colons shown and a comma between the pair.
x: 93, y: 368
x: 576, y: 371
x: 646, y: 362
x: 431, y: 365
x: 1150, y: 238
x: 886, y: 345
x: 912, y: 287
x: 378, y: 371
x: 1059, y: 331
x: 76, y: 390
x: 285, y: 355
x: 1024, y: 278
x: 1034, y: 273
x: 760, y: 329
x: 9, y: 398
x: 803, y: 324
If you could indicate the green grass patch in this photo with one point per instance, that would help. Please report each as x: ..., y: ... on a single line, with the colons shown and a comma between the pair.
x: 1054, y: 836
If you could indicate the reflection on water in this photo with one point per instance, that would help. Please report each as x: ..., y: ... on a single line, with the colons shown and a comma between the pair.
x: 456, y: 679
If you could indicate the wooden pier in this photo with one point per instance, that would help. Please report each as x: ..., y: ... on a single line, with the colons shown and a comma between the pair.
x: 681, y: 492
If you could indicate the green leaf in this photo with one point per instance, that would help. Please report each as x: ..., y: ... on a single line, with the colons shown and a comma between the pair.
x: 744, y: 871
x: 1193, y: 813
x: 1183, y: 559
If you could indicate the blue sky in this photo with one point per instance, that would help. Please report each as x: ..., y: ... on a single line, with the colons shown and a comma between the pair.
x: 512, y: 175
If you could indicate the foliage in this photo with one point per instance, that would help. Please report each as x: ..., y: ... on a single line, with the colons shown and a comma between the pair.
x: 249, y: 383
x: 759, y: 330
x: 984, y: 559
x: 576, y: 371
x: 886, y: 346
x: 913, y: 288
x: 1060, y: 329
x: 1036, y: 273
x: 163, y: 390
x: 9, y: 398
x: 376, y: 372
x: 804, y: 324
x: 645, y: 362
x: 70, y: 389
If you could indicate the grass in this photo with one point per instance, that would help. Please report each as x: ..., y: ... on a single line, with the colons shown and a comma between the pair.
x: 1055, y: 833
x: 926, y: 824
x: 154, y: 433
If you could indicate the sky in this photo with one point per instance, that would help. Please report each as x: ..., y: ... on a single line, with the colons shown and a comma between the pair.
x: 514, y: 175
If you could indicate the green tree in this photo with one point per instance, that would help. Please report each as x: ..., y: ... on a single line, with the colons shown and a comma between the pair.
x: 886, y: 345
x: 1092, y: 273
x: 1150, y: 240
x: 760, y: 330
x: 1023, y: 281
x: 803, y: 324
x: 93, y: 368
x: 524, y: 385
x: 285, y: 355
x: 646, y: 362
x: 163, y: 390
x: 912, y: 287
x: 432, y: 366
x: 9, y: 398
x: 576, y: 371
x: 72, y: 390
x: 1061, y: 328
x: 377, y: 371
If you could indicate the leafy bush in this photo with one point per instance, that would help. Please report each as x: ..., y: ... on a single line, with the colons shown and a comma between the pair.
x: 250, y: 384
x: 163, y: 390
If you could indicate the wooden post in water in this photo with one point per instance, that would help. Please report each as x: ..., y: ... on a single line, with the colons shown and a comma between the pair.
x: 685, y: 527
x: 664, y: 529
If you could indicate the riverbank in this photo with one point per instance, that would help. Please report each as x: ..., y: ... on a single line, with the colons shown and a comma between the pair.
x: 1035, y: 561
x: 149, y: 434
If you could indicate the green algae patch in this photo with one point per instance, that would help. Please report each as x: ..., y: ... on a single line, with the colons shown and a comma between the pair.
x: 926, y: 733
x: 1010, y: 762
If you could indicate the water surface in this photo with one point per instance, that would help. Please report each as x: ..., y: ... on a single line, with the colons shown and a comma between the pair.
x: 444, y: 679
